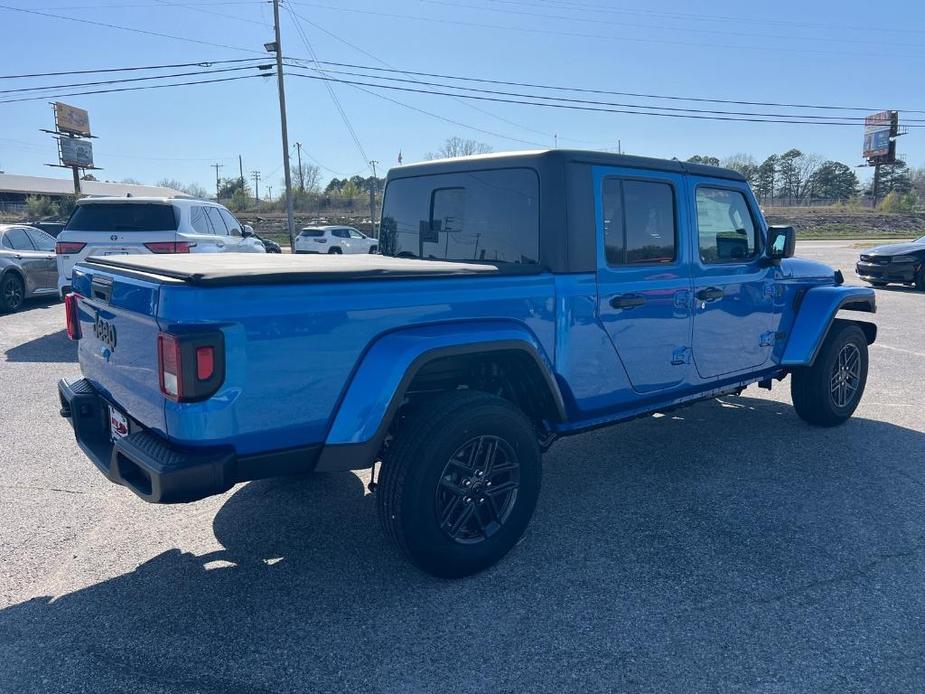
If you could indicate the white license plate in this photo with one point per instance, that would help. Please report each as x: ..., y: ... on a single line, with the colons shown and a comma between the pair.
x: 118, y: 424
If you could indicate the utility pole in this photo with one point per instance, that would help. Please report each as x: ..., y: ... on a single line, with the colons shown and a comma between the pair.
x: 256, y: 176
x: 218, y: 184
x: 298, y: 149
x: 277, y: 48
x: 269, y: 193
x: 372, y: 199
x: 241, y: 171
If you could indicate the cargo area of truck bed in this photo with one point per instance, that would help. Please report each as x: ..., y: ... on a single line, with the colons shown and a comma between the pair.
x: 222, y: 269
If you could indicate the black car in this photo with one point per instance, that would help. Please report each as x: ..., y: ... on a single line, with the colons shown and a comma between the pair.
x: 27, y: 265
x: 896, y: 263
x: 271, y: 246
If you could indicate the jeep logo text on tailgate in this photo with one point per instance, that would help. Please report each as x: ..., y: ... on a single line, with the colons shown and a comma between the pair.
x: 105, y: 332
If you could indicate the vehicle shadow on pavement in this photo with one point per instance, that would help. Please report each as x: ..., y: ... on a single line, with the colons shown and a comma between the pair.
x: 727, y: 546
x: 55, y: 347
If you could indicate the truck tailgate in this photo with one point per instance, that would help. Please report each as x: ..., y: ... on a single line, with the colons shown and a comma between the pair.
x: 118, y: 345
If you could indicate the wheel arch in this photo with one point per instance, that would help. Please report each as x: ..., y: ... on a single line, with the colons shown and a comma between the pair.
x: 817, y: 313
x: 397, y: 363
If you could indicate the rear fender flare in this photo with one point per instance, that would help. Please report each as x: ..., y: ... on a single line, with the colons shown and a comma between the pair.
x: 816, y: 315
x: 377, y: 386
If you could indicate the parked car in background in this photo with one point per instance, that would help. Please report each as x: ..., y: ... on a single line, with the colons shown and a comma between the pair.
x: 895, y: 263
x: 335, y: 240
x: 27, y: 265
x: 269, y: 245
x: 126, y: 226
x: 50, y: 228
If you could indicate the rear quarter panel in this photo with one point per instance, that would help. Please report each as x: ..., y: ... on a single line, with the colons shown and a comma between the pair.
x: 292, y: 349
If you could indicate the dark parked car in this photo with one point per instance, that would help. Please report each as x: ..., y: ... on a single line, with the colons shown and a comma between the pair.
x: 27, y: 265
x: 896, y: 263
x: 50, y: 228
x: 271, y: 246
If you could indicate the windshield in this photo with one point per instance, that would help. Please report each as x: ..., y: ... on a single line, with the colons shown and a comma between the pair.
x: 125, y: 216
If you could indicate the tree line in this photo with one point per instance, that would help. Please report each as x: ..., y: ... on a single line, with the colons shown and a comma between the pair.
x: 797, y: 178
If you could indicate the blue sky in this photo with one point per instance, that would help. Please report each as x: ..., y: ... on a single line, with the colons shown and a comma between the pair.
x: 821, y: 52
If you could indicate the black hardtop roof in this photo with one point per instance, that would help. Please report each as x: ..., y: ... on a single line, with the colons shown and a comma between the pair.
x: 542, y: 158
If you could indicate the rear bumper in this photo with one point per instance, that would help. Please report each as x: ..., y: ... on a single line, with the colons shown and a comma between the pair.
x: 157, y: 470
x: 888, y: 272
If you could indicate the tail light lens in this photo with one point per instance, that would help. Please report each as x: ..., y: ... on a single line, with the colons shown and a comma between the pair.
x: 71, y: 316
x: 190, y: 367
x: 68, y: 247
x: 170, y: 246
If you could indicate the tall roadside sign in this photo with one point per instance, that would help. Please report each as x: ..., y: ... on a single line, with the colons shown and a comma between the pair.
x: 72, y: 132
x: 880, y: 133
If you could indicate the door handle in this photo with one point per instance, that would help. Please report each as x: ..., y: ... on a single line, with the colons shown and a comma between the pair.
x: 627, y: 301
x: 710, y: 294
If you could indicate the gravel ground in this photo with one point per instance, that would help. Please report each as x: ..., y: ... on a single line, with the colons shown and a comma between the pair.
x: 727, y: 547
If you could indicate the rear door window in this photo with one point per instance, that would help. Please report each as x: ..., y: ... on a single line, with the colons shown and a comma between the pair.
x: 121, y: 216
x: 199, y: 220
x: 639, y: 222
x: 41, y: 240
x: 216, y: 218
x: 476, y: 215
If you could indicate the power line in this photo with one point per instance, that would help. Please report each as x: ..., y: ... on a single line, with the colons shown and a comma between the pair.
x: 129, y: 79
x: 666, y: 97
x: 577, y: 107
x: 130, y: 89
x: 340, y: 108
x: 200, y: 63
x: 392, y: 67
x: 859, y: 119
x: 125, y: 28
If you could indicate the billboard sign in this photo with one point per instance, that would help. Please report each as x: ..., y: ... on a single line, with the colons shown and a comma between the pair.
x: 70, y: 119
x: 879, y: 131
x: 76, y: 152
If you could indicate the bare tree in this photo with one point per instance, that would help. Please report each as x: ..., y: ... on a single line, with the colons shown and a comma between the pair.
x: 459, y: 147
x: 309, y: 176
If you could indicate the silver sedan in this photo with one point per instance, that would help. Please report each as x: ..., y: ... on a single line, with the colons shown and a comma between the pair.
x: 27, y: 265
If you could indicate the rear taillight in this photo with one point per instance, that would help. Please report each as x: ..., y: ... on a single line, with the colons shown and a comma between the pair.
x: 190, y: 367
x: 68, y: 247
x: 170, y: 246
x: 71, y: 316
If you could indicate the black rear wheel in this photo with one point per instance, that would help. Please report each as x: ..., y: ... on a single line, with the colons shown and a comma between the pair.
x: 12, y: 293
x: 460, y: 483
x: 828, y: 392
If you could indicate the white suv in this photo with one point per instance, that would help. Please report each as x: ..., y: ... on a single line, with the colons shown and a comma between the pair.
x: 334, y: 239
x: 122, y: 226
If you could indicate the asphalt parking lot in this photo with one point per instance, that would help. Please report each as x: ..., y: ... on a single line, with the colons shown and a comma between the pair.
x: 727, y: 547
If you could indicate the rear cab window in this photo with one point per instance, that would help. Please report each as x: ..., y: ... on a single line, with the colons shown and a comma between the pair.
x: 123, y: 216
x: 475, y: 215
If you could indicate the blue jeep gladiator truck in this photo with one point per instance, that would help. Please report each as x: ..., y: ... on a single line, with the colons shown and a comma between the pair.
x: 517, y: 298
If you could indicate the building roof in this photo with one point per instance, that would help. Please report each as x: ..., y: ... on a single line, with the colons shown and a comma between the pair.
x: 39, y: 185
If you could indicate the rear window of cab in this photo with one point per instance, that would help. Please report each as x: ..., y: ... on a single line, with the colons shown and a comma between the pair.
x: 474, y: 215
x: 123, y: 216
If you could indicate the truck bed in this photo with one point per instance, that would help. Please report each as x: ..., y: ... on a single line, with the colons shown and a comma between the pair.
x: 223, y: 269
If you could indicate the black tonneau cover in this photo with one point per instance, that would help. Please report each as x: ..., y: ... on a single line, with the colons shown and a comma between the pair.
x: 218, y: 269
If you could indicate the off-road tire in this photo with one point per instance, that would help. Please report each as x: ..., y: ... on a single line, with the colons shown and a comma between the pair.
x: 12, y: 293
x: 410, y: 484
x: 812, y: 387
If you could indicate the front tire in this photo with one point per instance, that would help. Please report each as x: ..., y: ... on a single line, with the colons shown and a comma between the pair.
x: 828, y: 392
x: 12, y: 293
x: 460, y: 483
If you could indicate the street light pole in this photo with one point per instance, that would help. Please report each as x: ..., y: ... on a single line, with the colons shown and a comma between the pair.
x: 277, y: 47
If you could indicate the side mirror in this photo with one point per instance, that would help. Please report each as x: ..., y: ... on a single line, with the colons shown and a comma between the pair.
x: 247, y: 231
x: 782, y: 242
